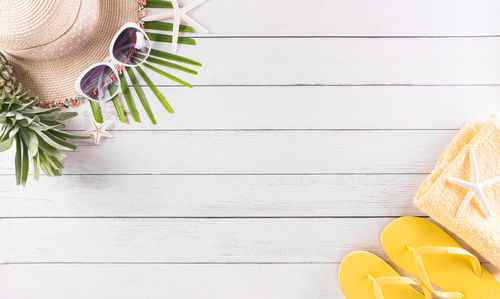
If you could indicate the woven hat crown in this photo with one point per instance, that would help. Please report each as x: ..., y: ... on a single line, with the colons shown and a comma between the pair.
x: 26, y: 24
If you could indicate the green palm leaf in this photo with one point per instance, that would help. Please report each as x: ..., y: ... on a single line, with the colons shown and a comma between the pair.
x: 171, y: 65
x: 140, y: 94
x: 164, y: 26
x: 158, y: 4
x: 117, y: 102
x: 155, y: 90
x: 128, y: 97
x: 166, y: 38
x: 174, y: 57
x: 96, y: 111
x: 157, y: 57
x: 167, y: 75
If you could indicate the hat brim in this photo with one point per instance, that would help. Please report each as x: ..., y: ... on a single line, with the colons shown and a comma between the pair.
x: 54, y: 80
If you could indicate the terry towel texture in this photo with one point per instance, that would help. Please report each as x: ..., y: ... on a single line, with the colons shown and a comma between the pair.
x: 440, y: 199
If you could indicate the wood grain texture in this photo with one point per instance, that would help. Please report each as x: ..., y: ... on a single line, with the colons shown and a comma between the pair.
x: 311, y: 107
x: 310, y: 126
x: 212, y: 196
x: 188, y: 240
x: 349, y: 18
x: 185, y: 281
x: 312, y: 61
x: 256, y: 152
x: 170, y: 281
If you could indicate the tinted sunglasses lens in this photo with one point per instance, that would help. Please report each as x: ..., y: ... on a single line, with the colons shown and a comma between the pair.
x: 100, y: 83
x: 131, y: 47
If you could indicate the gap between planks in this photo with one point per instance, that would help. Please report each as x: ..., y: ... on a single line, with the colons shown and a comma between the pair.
x: 339, y: 36
x: 208, y: 217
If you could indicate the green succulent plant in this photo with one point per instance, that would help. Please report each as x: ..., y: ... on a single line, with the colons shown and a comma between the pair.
x: 36, y: 133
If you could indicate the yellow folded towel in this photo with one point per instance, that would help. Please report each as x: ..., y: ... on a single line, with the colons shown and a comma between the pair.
x: 476, y: 143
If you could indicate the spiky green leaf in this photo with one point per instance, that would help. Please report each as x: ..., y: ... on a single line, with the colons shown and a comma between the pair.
x: 50, y: 141
x: 61, y: 141
x: 36, y: 166
x: 30, y: 139
x: 50, y: 150
x: 62, y: 134
x: 14, y: 130
x: 38, y: 127
x: 18, y: 160
x: 6, y: 144
x: 25, y: 164
x: 58, y: 116
x: 54, y: 162
x: 39, y: 111
x: 45, y: 165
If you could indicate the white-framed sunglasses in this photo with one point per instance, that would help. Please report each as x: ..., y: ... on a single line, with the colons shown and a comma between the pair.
x: 129, y: 47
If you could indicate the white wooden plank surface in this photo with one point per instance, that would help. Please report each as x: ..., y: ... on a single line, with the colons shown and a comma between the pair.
x: 208, y: 281
x: 170, y: 281
x: 295, y: 143
x: 312, y: 107
x: 188, y: 240
x: 251, y: 152
x: 285, y: 61
x: 212, y: 196
x: 349, y: 18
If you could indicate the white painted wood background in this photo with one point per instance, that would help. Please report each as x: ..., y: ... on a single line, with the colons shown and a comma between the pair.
x: 310, y: 127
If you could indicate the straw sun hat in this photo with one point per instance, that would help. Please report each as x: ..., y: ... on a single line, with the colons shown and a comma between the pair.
x: 50, y: 42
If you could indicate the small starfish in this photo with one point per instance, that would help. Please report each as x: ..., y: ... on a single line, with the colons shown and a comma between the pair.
x: 99, y: 130
x: 178, y: 14
x: 475, y: 186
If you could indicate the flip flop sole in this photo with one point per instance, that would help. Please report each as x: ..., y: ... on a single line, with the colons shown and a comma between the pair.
x: 452, y: 273
x: 355, y: 283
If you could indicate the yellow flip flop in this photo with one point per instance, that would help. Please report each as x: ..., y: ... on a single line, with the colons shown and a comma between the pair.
x: 363, y: 275
x: 425, y: 250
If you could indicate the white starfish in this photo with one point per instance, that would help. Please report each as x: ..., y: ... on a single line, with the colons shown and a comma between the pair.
x: 475, y: 186
x: 99, y: 130
x: 178, y: 14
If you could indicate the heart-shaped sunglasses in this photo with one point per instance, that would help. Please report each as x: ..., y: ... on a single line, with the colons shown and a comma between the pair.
x: 130, y: 47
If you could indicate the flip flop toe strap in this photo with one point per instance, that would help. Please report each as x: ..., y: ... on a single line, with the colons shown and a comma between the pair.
x: 378, y: 283
x: 418, y: 256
